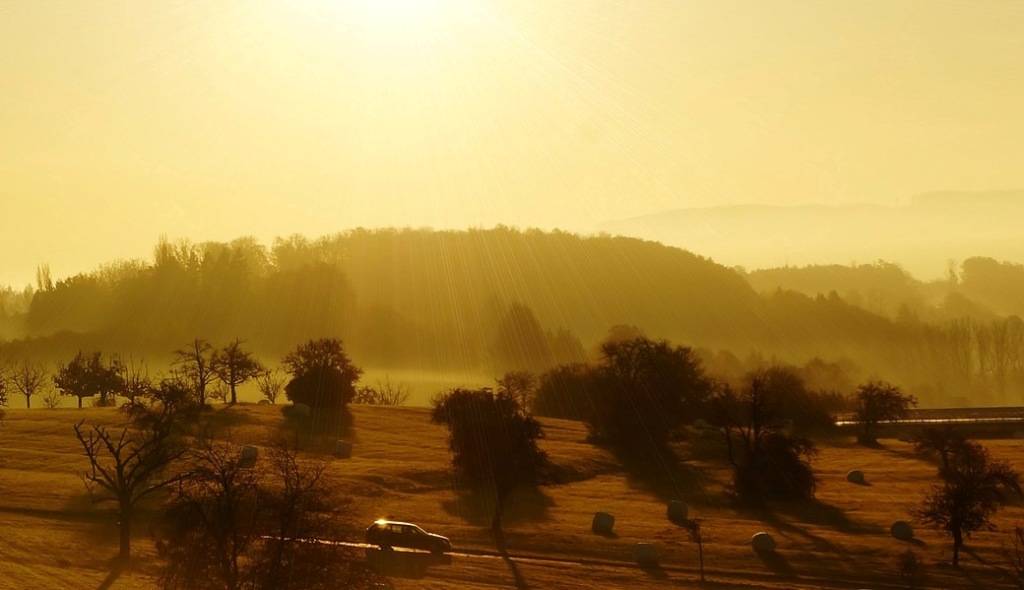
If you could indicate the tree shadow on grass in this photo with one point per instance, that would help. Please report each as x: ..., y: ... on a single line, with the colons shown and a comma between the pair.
x: 786, y: 517
x: 117, y: 567
x: 404, y: 564
x: 654, y: 570
x: 658, y: 471
x: 217, y: 420
x: 776, y: 563
x: 476, y: 506
x: 816, y: 512
x: 904, y: 453
x: 517, y: 576
x: 317, y: 432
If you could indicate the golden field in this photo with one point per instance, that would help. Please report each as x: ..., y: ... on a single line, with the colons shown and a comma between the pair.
x: 52, y: 536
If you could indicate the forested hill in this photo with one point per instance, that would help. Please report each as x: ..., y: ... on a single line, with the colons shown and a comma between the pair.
x: 479, y: 299
x: 399, y: 295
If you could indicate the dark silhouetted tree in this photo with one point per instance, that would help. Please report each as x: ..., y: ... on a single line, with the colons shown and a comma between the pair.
x: 696, y: 533
x: 323, y: 376
x: 271, y: 384
x: 1014, y: 553
x: 521, y: 343
x: 878, y: 401
x: 28, y: 379
x: 169, y: 407
x: 646, y: 389
x: 125, y: 467
x: 234, y: 366
x: 135, y: 380
x: 768, y: 462
x: 88, y: 376
x: 973, y: 488
x: 567, y: 391
x: 212, y: 522
x: 383, y: 393
x: 493, y: 442
x: 942, y: 443
x: 195, y: 363
x: 229, y: 527
x: 521, y: 385
x: 3, y: 394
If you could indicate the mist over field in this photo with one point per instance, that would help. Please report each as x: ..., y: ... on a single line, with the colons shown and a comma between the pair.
x: 475, y: 304
x: 922, y: 235
x: 491, y: 294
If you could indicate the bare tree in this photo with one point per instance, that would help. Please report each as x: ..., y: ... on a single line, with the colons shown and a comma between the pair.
x: 521, y: 385
x: 878, y: 401
x: 234, y: 366
x: 212, y: 520
x: 271, y: 384
x: 124, y: 468
x: 962, y: 347
x: 695, y: 531
x: 229, y: 527
x: 974, y: 487
x: 52, y: 398
x: 28, y: 379
x: 382, y: 394
x: 134, y: 378
x: 195, y: 362
x: 3, y: 394
x: 1015, y: 553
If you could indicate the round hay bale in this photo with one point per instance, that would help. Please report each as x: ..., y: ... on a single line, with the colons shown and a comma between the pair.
x: 902, y: 530
x: 904, y: 436
x: 645, y: 553
x: 678, y: 511
x: 855, y: 476
x: 701, y: 424
x: 1018, y: 435
x: 343, y: 449
x: 762, y: 542
x: 248, y: 456
x: 263, y: 402
x: 603, y: 523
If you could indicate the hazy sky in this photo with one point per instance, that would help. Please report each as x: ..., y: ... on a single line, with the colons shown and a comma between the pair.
x: 211, y: 119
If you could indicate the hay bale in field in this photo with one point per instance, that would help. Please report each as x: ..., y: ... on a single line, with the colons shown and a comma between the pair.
x: 678, y: 511
x: 603, y: 523
x: 855, y: 476
x: 902, y: 530
x: 762, y: 542
x: 343, y: 449
x: 701, y: 424
x: 248, y: 456
x: 263, y: 402
x: 645, y: 553
x: 904, y: 436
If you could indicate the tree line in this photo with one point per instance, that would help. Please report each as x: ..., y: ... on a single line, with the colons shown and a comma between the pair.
x: 209, y: 373
x: 485, y: 300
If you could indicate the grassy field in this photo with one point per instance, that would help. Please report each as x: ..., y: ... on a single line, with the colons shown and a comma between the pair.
x: 51, y: 536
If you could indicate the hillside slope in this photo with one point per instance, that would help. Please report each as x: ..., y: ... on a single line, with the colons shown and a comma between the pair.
x: 54, y: 537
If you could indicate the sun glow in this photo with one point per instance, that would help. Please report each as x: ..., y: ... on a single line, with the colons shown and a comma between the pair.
x: 397, y: 10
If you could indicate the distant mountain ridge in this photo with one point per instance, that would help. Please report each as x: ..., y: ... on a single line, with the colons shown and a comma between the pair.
x: 921, y: 237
